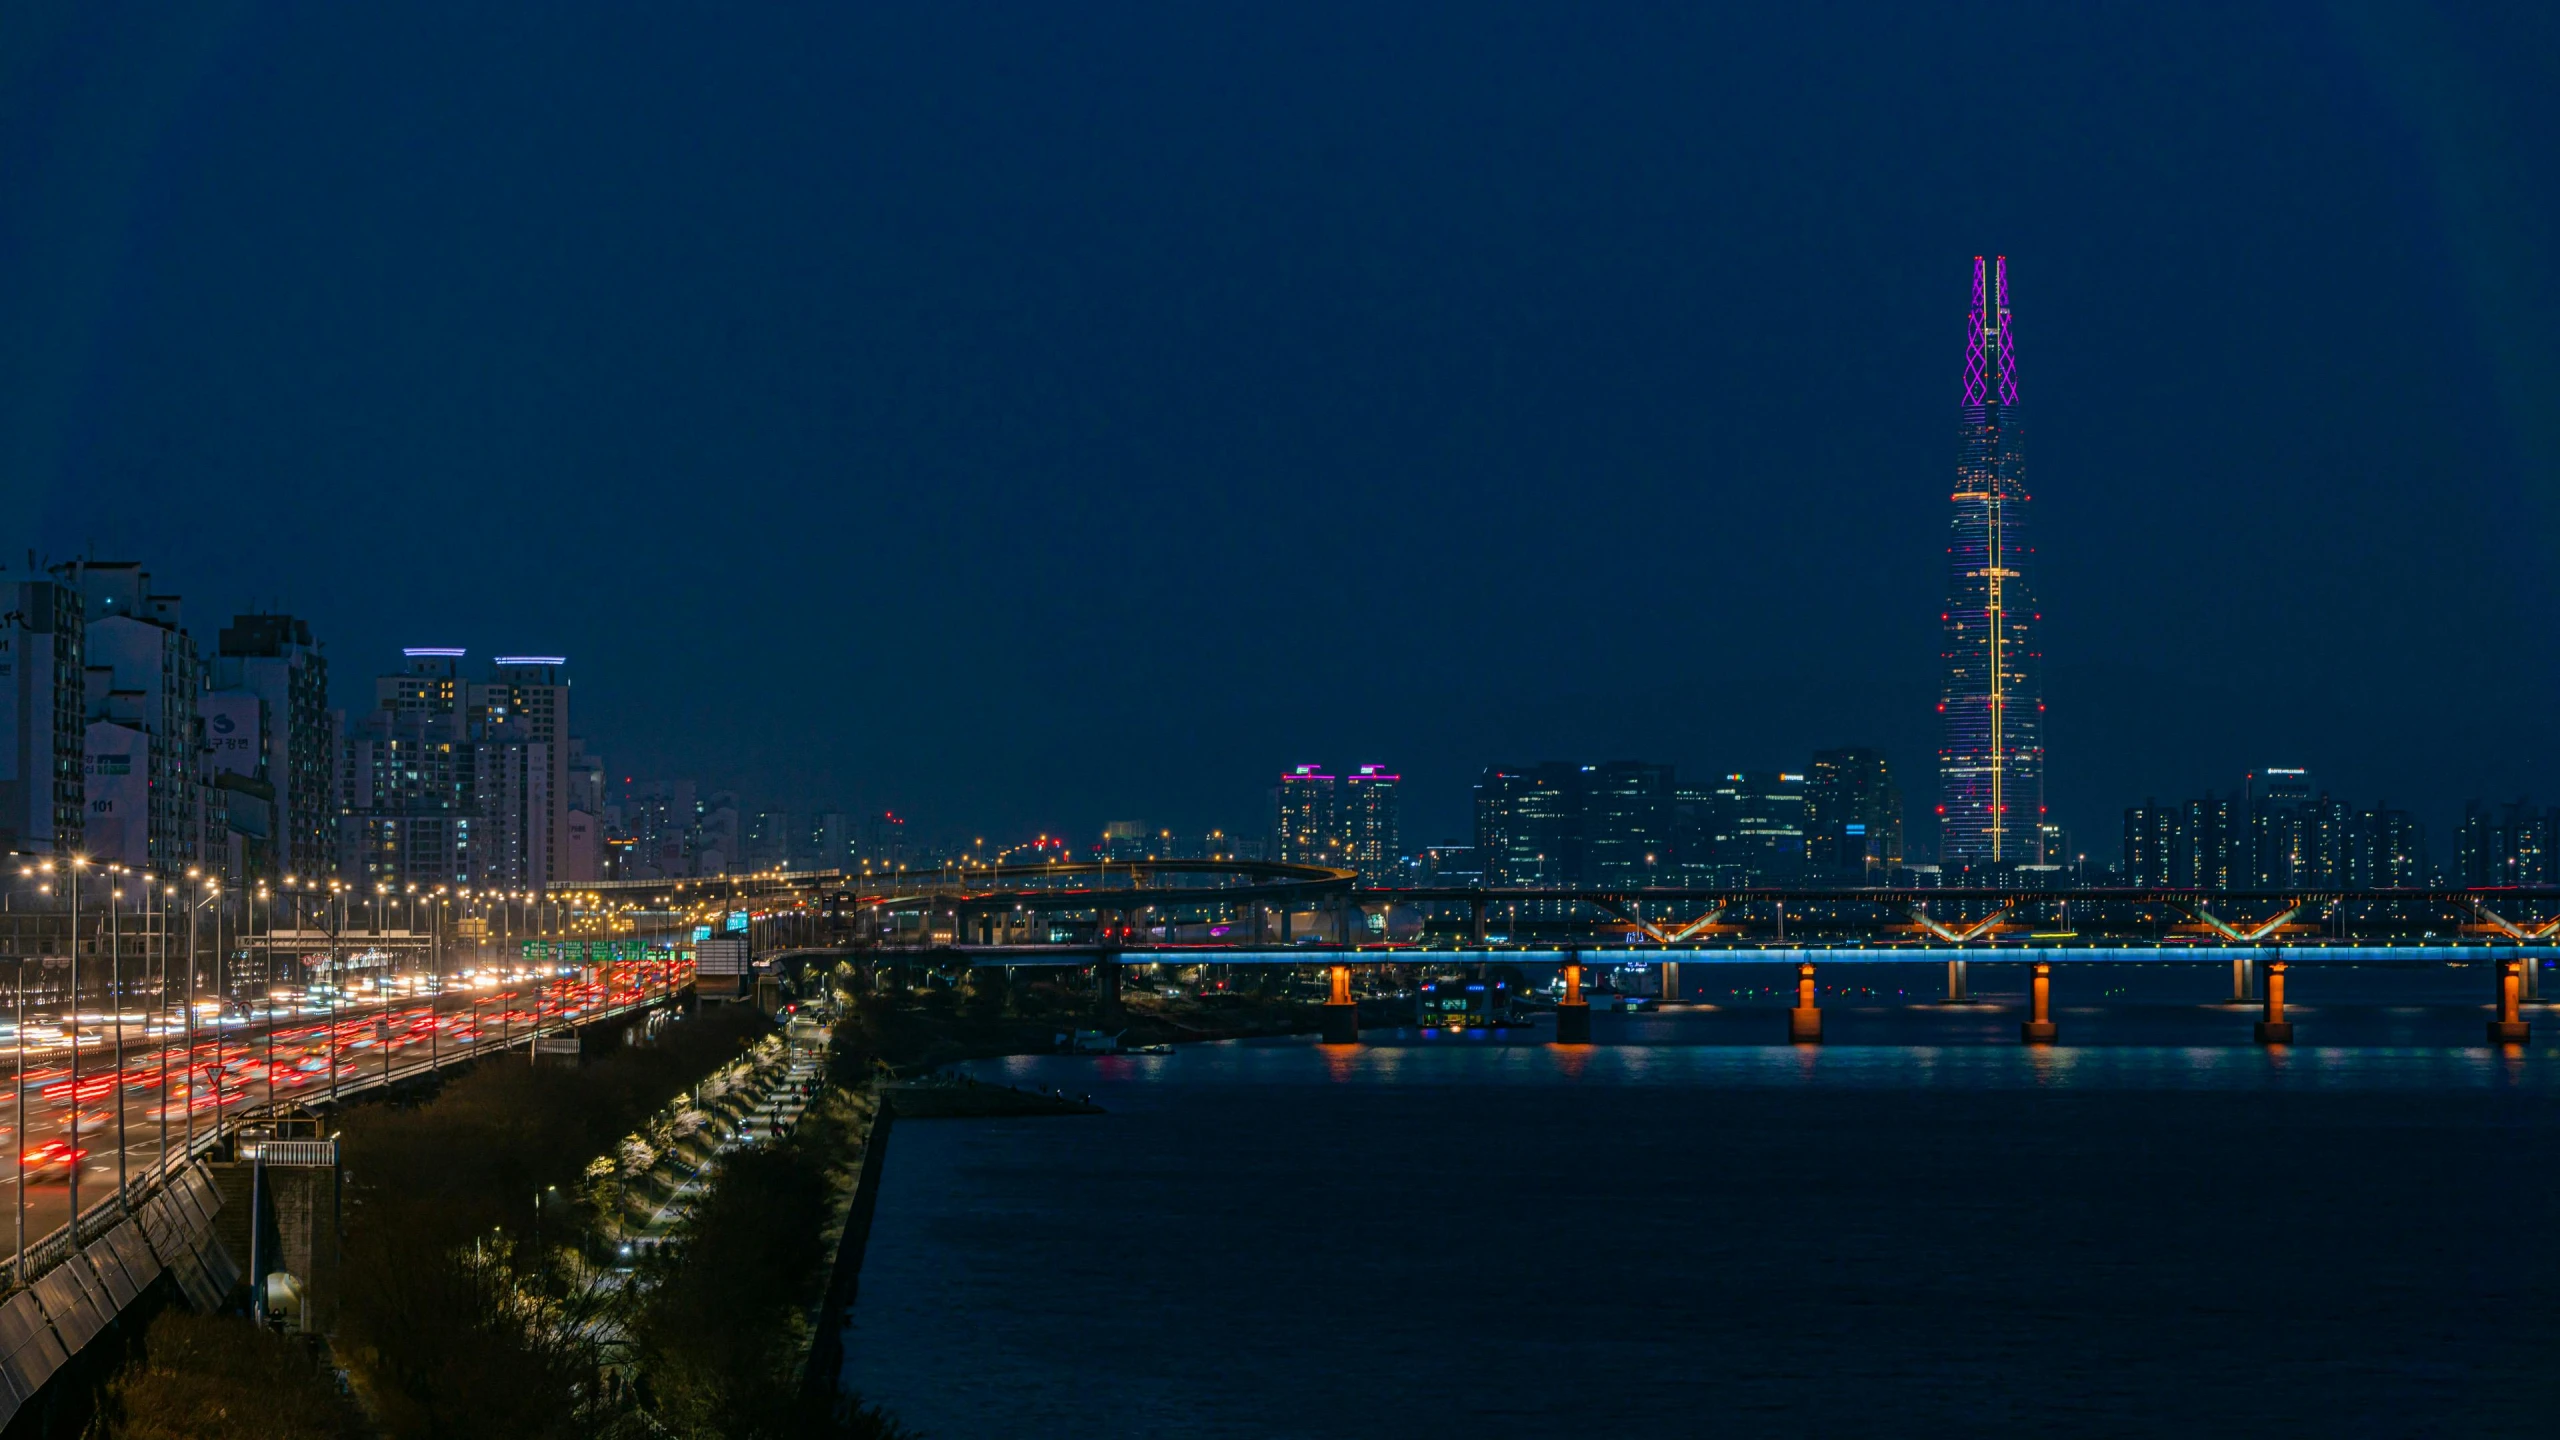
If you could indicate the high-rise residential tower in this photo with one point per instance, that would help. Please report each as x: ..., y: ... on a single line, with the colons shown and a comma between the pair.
x: 1991, y: 746
x: 1366, y: 808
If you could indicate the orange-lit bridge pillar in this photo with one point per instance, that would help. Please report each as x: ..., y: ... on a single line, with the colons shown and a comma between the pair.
x: 2039, y: 1029
x: 1341, y: 1012
x: 2510, y: 1027
x: 2274, y: 1029
x: 1804, y: 1023
x: 1573, y: 1013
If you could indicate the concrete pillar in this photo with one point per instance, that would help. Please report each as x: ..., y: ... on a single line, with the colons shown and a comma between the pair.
x: 2244, y: 981
x: 1106, y: 990
x: 1670, y: 979
x: 2274, y: 1029
x: 1804, y: 1023
x: 1573, y: 1013
x: 2532, y: 978
x: 1285, y: 918
x: 1476, y: 919
x: 1958, y: 992
x: 2510, y: 1027
x: 2039, y: 1029
x: 1341, y: 1011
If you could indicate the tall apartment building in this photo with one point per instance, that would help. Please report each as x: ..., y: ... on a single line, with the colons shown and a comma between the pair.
x: 2388, y: 850
x: 661, y: 814
x: 144, y: 779
x: 1349, y: 822
x: 770, y: 841
x: 583, y: 819
x: 453, y: 781
x: 43, y: 718
x: 2514, y: 843
x: 272, y: 660
x: 831, y: 841
x: 531, y: 694
x: 2213, y: 849
x: 2279, y: 833
x: 2151, y: 843
x: 1308, y: 829
x: 1370, y: 828
x: 406, y: 777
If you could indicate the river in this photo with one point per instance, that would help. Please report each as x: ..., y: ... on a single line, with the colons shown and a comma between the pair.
x: 1919, y: 1228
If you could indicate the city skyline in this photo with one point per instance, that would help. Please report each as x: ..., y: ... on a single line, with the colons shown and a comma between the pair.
x: 1626, y: 471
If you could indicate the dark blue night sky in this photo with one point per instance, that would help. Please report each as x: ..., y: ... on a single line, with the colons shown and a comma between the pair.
x: 1031, y: 416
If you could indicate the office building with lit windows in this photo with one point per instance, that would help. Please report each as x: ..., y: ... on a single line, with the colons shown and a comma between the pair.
x: 452, y: 781
x: 1991, y: 748
x: 1366, y: 813
x: 1759, y: 828
x: 1605, y: 826
x: 1852, y: 817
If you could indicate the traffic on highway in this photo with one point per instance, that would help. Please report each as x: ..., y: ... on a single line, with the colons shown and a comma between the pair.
x: 103, y: 1097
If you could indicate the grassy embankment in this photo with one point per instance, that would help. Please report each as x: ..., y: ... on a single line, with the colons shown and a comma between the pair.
x: 479, y: 1297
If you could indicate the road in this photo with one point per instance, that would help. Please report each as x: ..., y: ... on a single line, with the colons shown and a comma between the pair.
x: 167, y: 1090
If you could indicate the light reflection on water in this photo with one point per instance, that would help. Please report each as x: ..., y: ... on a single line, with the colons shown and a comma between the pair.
x: 1961, y: 1067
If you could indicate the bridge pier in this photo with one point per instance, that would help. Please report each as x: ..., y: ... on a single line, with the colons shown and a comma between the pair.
x: 1342, y: 1012
x: 1106, y: 990
x: 2274, y: 1029
x: 1958, y: 992
x: 2510, y: 1027
x: 1476, y: 919
x: 1670, y: 979
x: 1804, y: 1023
x: 1573, y: 1013
x: 2532, y: 978
x: 2244, y: 981
x: 2039, y: 1029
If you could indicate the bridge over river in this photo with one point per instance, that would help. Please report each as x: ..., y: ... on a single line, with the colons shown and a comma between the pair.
x: 1108, y: 915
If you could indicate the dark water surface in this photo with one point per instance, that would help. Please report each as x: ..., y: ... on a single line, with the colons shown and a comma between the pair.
x: 1681, y: 1231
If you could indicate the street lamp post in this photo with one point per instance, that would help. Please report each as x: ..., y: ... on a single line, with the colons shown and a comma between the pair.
x: 115, y: 963
x: 190, y: 1025
x: 18, y: 1152
x: 221, y: 1002
x: 162, y: 896
x: 72, y: 1030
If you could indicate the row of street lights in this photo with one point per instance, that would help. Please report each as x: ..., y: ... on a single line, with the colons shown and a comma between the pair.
x: 155, y: 899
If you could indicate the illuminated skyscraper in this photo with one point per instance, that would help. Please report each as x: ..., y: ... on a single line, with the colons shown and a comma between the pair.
x: 1991, y: 746
x: 1367, y: 818
x: 1309, y: 830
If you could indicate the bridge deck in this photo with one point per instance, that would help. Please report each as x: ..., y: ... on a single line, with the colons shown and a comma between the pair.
x: 2293, y: 954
